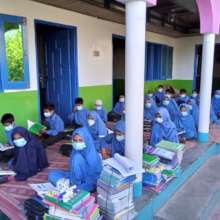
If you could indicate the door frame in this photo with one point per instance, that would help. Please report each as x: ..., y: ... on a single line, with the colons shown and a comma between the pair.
x: 74, y: 52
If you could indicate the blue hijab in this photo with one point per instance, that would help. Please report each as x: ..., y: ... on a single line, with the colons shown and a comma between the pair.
x: 119, y: 108
x: 216, y: 102
x: 194, y: 111
x: 172, y: 108
x: 29, y: 159
x: 149, y: 113
x: 85, y: 165
x: 165, y: 130
x: 118, y: 146
x: 187, y: 123
x: 98, y: 130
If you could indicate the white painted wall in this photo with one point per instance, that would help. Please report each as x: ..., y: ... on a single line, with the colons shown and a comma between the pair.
x: 92, y: 34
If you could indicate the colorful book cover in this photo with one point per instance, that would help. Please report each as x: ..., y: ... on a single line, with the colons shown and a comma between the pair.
x: 175, y: 147
x: 35, y: 128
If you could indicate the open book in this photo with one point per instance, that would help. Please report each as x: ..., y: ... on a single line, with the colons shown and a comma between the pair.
x: 7, y: 173
x: 34, y: 127
x: 4, y: 147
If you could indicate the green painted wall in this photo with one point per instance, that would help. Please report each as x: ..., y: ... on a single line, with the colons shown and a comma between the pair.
x: 23, y: 105
x: 91, y: 93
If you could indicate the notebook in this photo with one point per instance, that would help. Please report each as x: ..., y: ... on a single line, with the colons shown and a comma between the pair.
x: 35, y: 128
x: 175, y: 147
x: 4, y: 147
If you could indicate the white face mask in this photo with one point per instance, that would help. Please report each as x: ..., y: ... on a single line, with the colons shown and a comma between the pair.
x: 166, y: 102
x: 159, y: 120
x: 79, y: 107
x: 184, y: 113
x: 150, y: 95
x: 148, y: 105
x: 98, y: 107
x: 168, y: 95
x: 91, y: 122
x: 47, y: 114
x: 120, y: 138
x: 79, y: 145
x: 122, y: 100
x: 183, y: 95
x: 21, y: 142
x: 217, y: 96
x: 9, y: 127
x: 194, y: 95
x: 160, y: 90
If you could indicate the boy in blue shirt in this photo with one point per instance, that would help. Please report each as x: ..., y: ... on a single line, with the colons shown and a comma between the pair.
x: 55, y: 125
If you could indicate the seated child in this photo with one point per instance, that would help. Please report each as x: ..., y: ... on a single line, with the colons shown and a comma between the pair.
x: 163, y: 128
x: 150, y: 109
x: 55, y: 126
x: 85, y: 164
x: 194, y: 110
x: 8, y: 122
x: 159, y: 95
x: 78, y: 117
x: 96, y: 128
x: 171, y: 107
x: 216, y: 102
x: 116, y: 141
x: 186, y: 122
x: 214, y: 118
x: 29, y: 154
x: 182, y: 98
x: 195, y: 96
x: 119, y: 106
x: 101, y: 110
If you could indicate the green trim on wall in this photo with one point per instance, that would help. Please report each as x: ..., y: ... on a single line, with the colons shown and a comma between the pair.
x: 23, y: 105
x: 178, y: 84
x: 91, y: 93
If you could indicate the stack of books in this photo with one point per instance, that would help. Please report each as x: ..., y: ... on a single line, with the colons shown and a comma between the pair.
x: 115, y: 188
x: 161, y: 164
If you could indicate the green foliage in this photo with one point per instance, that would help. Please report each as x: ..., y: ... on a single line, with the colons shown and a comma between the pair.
x: 14, y: 54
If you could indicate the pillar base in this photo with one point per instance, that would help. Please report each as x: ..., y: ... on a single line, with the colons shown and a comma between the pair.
x: 137, y: 190
x: 203, y: 137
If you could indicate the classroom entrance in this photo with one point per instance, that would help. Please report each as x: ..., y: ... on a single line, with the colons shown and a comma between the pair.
x: 198, y: 67
x: 57, y: 66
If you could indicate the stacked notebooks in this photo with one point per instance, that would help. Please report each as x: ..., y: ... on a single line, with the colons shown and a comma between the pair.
x: 115, y: 188
x: 161, y: 164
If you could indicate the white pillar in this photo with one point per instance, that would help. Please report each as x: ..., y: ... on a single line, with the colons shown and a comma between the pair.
x: 206, y: 86
x: 134, y: 83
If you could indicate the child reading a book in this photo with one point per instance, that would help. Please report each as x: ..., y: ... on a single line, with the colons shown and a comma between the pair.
x: 29, y: 154
x: 54, y: 124
x: 85, y: 163
x: 8, y: 122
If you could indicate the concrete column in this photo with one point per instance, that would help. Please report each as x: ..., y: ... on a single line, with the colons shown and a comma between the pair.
x: 206, y: 86
x: 134, y: 83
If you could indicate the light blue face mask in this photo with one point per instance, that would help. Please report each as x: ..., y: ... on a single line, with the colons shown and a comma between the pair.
x: 190, y: 107
x: 217, y: 96
x: 166, y: 102
x: 120, y: 138
x: 21, y: 142
x: 78, y: 145
x: 184, y: 113
x: 9, y: 127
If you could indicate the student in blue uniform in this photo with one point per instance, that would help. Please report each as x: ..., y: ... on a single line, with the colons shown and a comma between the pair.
x: 159, y: 95
x: 186, y: 122
x: 213, y: 117
x: 8, y: 122
x: 195, y: 96
x: 150, y: 109
x: 55, y: 125
x: 194, y: 110
x: 101, y: 110
x: 85, y: 164
x: 171, y: 107
x: 183, y: 97
x: 163, y: 128
x: 78, y: 117
x: 119, y: 107
x: 216, y: 102
x: 97, y: 128
x: 29, y: 154
x: 115, y: 141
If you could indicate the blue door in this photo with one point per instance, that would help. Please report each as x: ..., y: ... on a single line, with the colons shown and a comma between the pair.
x: 60, y: 76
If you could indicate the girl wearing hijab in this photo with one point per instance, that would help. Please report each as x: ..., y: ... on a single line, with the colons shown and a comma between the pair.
x: 163, y: 128
x: 186, y: 122
x: 195, y: 96
x: 29, y: 154
x: 150, y: 109
x: 194, y: 111
x: 171, y: 107
x: 159, y: 95
x: 115, y: 140
x: 96, y: 128
x: 85, y: 164
x: 216, y: 102
x: 119, y: 106
x: 101, y: 110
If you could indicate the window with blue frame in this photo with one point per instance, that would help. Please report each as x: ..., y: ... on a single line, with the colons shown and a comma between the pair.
x: 14, y: 73
x: 159, y: 62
